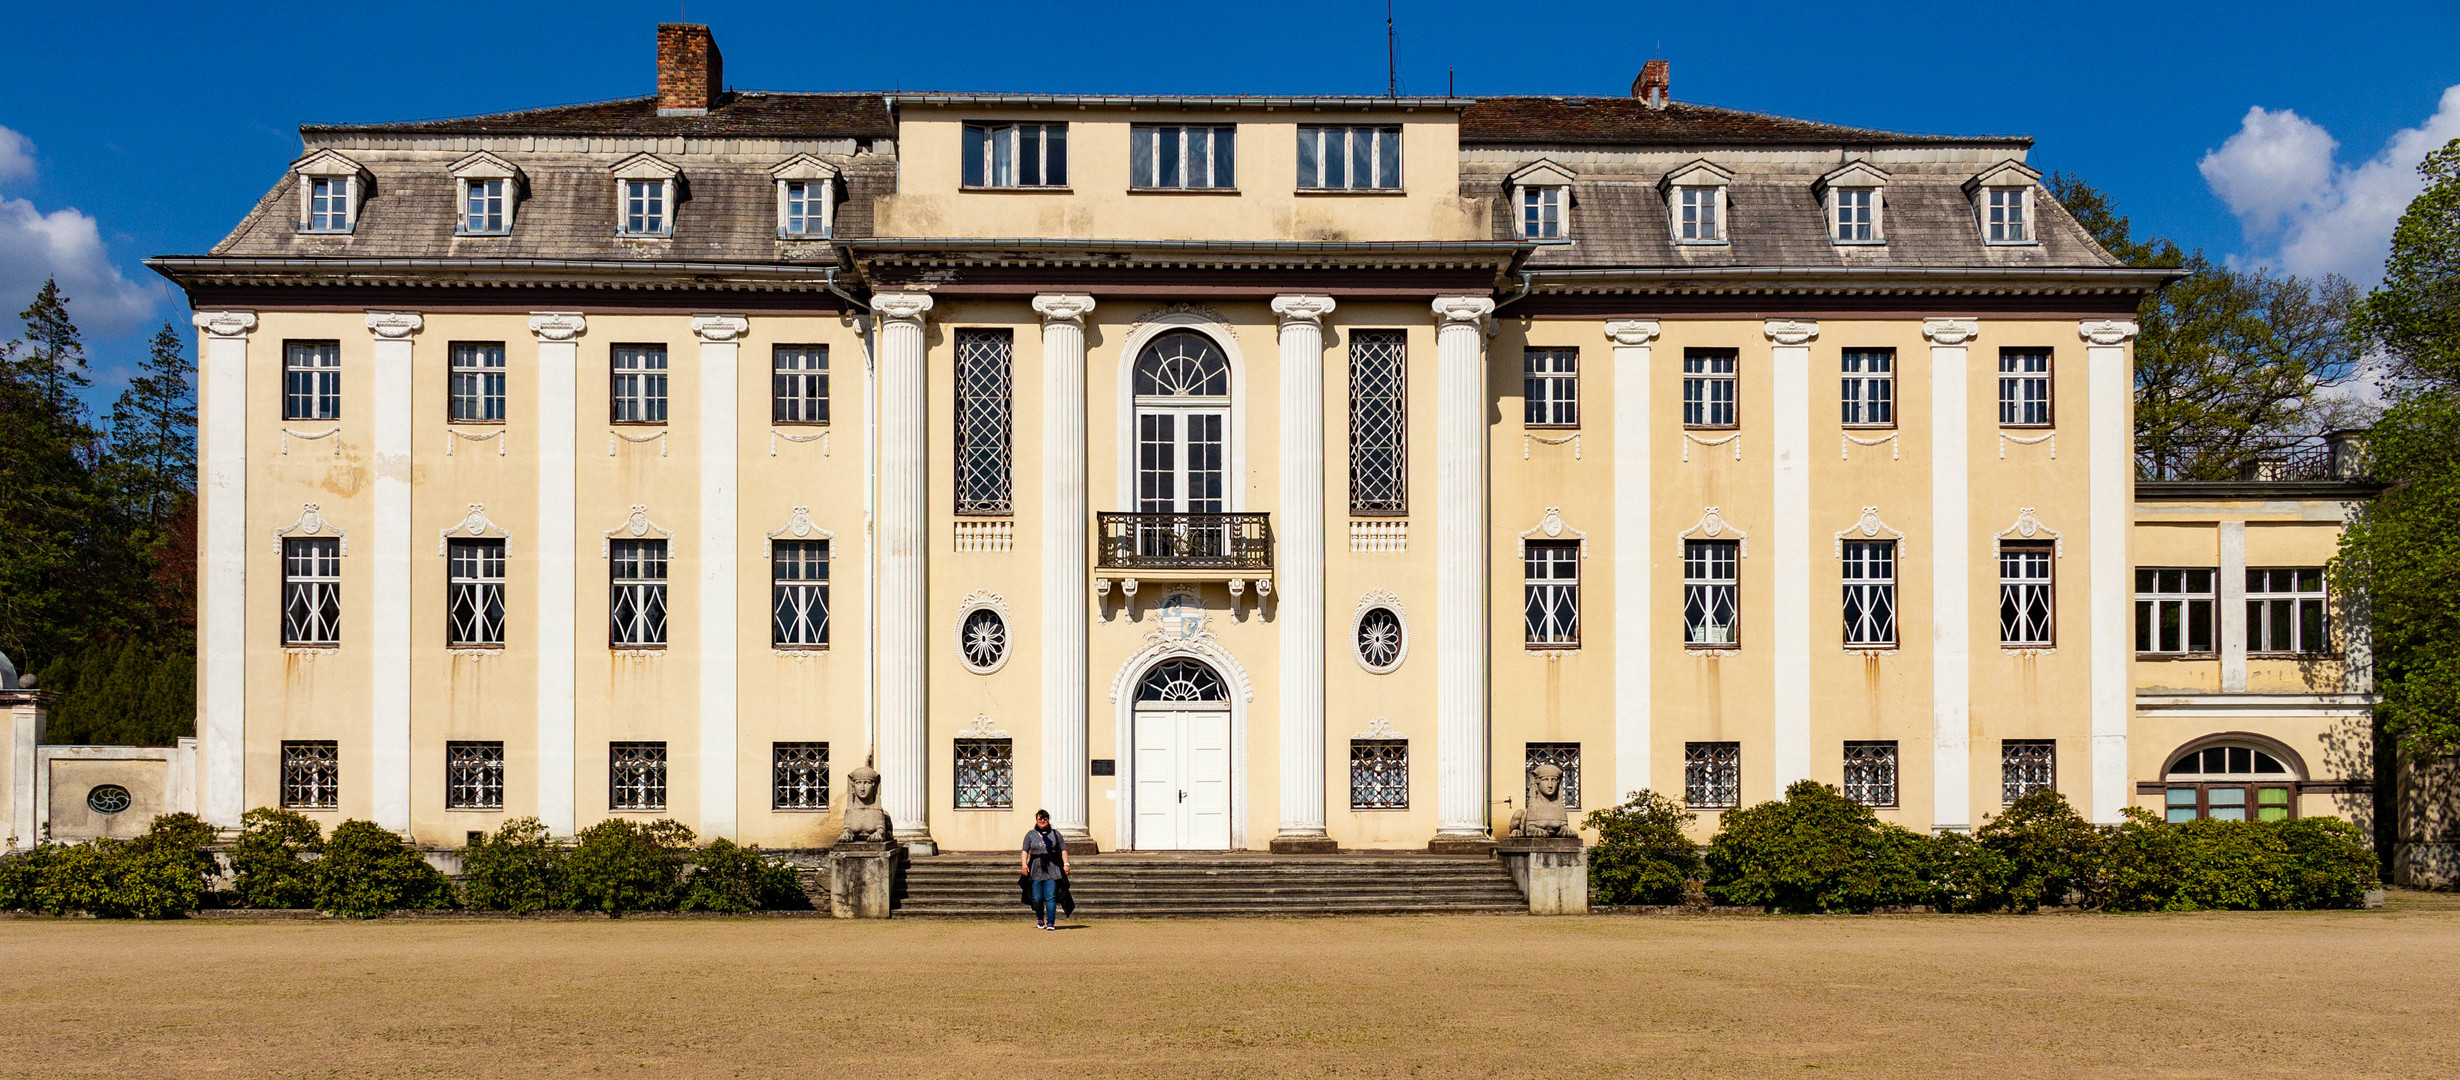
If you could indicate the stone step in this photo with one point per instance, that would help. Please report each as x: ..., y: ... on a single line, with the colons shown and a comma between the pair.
x: 1218, y: 885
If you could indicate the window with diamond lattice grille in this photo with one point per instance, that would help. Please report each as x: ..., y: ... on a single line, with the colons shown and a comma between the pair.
x: 799, y: 593
x: 1870, y: 773
x: 474, y: 775
x: 474, y: 600
x: 636, y: 776
x: 799, y: 384
x: 2027, y: 766
x: 1712, y: 774
x: 2025, y: 607
x: 799, y: 776
x: 986, y: 774
x: 636, y: 594
x: 1379, y: 438
x: 1870, y: 592
x: 1551, y: 593
x: 312, y: 591
x: 1561, y: 755
x: 985, y: 466
x: 1711, y: 591
x: 1550, y: 387
x: 1379, y: 774
x: 311, y: 775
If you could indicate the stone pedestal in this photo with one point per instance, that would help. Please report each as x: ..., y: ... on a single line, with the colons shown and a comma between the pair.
x: 1553, y: 872
x: 866, y: 878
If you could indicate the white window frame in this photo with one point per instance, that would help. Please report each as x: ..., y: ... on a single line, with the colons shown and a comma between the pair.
x: 312, y: 577
x: 327, y: 167
x: 1550, y: 204
x: 2260, y: 595
x: 318, y: 199
x: 628, y: 573
x: 467, y: 573
x: 468, y: 222
x: 477, y: 383
x: 1995, y: 200
x: 1840, y: 199
x: 2019, y: 587
x: 1689, y: 197
x: 1145, y: 143
x: 1866, y: 398
x: 997, y: 173
x: 2172, y: 591
x: 1550, y: 604
x: 1869, y: 569
x: 1322, y: 135
x: 2012, y: 383
x: 485, y: 168
x: 802, y: 195
x: 1700, y: 380
x: 660, y: 223
x: 640, y: 387
x: 799, y: 602
x: 2007, y: 179
x: 1701, y: 593
x: 1554, y: 373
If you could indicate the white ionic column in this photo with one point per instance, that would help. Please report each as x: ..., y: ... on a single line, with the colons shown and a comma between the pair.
x: 1299, y: 572
x: 222, y: 590
x: 2110, y: 430
x: 1790, y: 451
x: 1633, y: 547
x: 1066, y: 571
x: 2232, y: 597
x: 721, y: 390
x: 904, y: 680
x: 1461, y: 646
x: 389, y: 571
x: 558, y: 415
x: 1951, y: 597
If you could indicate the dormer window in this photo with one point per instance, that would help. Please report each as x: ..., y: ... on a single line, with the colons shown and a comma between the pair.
x: 645, y: 190
x: 1855, y: 198
x: 330, y: 187
x: 806, y: 198
x: 486, y: 188
x: 1696, y: 198
x: 2003, y: 203
x: 1542, y: 198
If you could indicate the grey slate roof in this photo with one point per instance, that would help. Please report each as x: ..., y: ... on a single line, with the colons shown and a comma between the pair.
x: 846, y: 116
x: 1605, y: 121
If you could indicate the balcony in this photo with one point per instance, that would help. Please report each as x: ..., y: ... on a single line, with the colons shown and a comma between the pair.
x: 1236, y: 548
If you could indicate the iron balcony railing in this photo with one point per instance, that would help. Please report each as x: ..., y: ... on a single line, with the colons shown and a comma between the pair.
x: 2332, y: 455
x: 1173, y: 541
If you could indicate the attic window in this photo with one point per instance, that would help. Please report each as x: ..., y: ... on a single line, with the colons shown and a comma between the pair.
x: 645, y: 190
x: 806, y: 198
x: 2003, y: 203
x: 330, y: 187
x: 1696, y: 202
x: 1855, y: 199
x: 486, y: 189
x: 1542, y: 201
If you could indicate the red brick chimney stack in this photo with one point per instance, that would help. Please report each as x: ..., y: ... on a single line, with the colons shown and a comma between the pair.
x: 690, y: 72
x: 1655, y: 84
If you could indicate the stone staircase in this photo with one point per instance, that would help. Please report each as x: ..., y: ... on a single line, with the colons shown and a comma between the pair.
x: 1220, y: 885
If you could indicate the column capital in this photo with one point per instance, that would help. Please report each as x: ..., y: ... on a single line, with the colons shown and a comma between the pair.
x: 1791, y: 331
x: 1951, y: 331
x: 1629, y: 332
x: 718, y: 329
x: 1463, y: 309
x: 225, y: 324
x: 903, y: 306
x: 2107, y: 331
x: 1302, y: 308
x: 396, y: 325
x: 557, y: 325
x: 1063, y: 307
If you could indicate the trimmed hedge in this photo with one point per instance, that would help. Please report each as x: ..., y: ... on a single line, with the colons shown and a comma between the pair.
x: 368, y: 870
x: 160, y: 875
x: 619, y: 866
x: 269, y: 864
x: 1815, y: 851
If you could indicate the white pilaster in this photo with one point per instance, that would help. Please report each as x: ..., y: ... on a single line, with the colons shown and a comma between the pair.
x: 558, y: 416
x: 1066, y: 569
x: 1461, y: 645
x: 222, y: 591
x: 389, y: 570
x: 1790, y: 452
x: 904, y: 749
x: 1951, y: 596
x: 721, y: 390
x: 1299, y: 571
x: 1633, y: 548
x: 2232, y: 597
x: 2109, y: 429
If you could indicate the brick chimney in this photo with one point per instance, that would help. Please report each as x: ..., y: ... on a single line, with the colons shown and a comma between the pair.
x: 1655, y: 84
x: 690, y: 72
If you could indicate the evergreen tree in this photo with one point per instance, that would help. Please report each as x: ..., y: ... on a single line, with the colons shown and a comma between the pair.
x: 153, y: 434
x: 55, y: 349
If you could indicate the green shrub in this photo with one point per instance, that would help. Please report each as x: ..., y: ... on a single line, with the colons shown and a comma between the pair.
x: 22, y: 874
x: 728, y: 877
x: 2049, y: 849
x: 1965, y: 874
x: 2148, y: 865
x: 267, y: 867
x: 618, y: 866
x: 2332, y: 866
x: 160, y: 875
x: 1815, y: 851
x: 368, y: 870
x: 1643, y: 853
x: 517, y: 869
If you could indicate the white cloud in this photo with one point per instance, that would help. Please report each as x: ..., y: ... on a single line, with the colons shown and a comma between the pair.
x: 2303, y: 212
x: 65, y: 244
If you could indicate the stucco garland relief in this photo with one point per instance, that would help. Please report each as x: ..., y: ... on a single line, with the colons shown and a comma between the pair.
x: 328, y: 433
x: 981, y: 727
x: 1714, y: 526
x: 453, y: 436
x: 821, y: 436
x: 2050, y: 437
x: 311, y: 523
x: 1551, y: 527
x: 1846, y: 450
x: 1379, y: 728
x: 225, y: 324
x: 1528, y: 437
x: 1385, y: 599
x: 658, y: 435
x: 1870, y: 528
x: 635, y: 526
x: 798, y: 526
x: 1731, y: 437
x: 2028, y: 527
x: 474, y: 524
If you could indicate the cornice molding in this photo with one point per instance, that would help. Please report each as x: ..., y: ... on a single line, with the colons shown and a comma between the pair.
x: 311, y: 523
x: 644, y: 166
x: 475, y: 524
x: 1870, y: 528
x: 635, y: 526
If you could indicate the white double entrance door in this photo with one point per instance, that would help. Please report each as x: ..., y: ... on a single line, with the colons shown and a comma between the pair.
x: 1182, y: 781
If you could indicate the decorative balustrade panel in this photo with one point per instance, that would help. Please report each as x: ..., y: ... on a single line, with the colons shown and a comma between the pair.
x: 1190, y: 541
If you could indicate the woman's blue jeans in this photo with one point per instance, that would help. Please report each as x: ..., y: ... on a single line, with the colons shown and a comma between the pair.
x: 1046, y: 900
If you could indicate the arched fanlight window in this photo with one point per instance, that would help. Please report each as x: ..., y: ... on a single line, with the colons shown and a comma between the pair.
x: 2215, y: 762
x: 1181, y: 680
x: 2231, y: 781
x: 1182, y: 364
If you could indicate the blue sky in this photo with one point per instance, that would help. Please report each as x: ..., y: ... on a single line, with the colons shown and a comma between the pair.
x: 141, y: 129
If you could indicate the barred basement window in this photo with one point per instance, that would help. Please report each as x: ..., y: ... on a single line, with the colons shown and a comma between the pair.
x: 636, y: 594
x: 312, y: 591
x: 799, y: 384
x: 311, y: 380
x: 1561, y: 755
x: 1550, y: 387
x: 1870, y: 773
x: 986, y: 774
x: 2027, y: 766
x: 985, y: 464
x: 2173, y: 610
x: 636, y: 776
x: 311, y: 775
x: 474, y: 601
x: 1712, y: 774
x: 1379, y: 774
x: 478, y: 382
x: 1711, y: 586
x: 2285, y: 610
x: 2025, y: 607
x: 1708, y: 388
x: 636, y: 384
x: 1379, y: 432
x: 1869, y: 387
x: 799, y: 776
x: 474, y: 776
x: 1870, y: 592
x: 799, y: 593
x: 1551, y: 604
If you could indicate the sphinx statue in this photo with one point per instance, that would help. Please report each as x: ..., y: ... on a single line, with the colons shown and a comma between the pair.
x: 1544, y: 816
x: 864, y: 818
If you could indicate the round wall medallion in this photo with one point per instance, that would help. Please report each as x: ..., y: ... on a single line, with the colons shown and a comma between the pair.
x: 107, y: 799
x: 982, y: 639
x: 1381, y: 638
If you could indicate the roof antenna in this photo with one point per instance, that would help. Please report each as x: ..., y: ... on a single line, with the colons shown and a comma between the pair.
x: 1448, y: 92
x: 1392, y: 55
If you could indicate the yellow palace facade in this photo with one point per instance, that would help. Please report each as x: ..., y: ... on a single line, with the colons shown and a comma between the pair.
x: 1216, y: 472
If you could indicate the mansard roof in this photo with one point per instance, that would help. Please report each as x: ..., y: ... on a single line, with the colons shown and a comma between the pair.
x: 739, y: 114
x: 1620, y: 121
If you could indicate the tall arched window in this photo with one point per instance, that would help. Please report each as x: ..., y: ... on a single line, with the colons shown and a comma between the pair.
x: 1182, y: 389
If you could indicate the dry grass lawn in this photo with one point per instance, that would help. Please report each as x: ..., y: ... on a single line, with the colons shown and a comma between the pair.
x: 2344, y: 994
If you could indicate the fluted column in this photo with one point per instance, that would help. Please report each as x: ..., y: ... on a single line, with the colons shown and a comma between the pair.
x: 1065, y: 567
x: 720, y: 592
x: 2110, y: 432
x: 222, y: 588
x: 1298, y: 570
x: 558, y: 463
x: 1461, y: 645
x: 904, y: 677
x: 389, y: 570
x: 1790, y: 455
x: 1951, y: 571
x: 1634, y: 541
